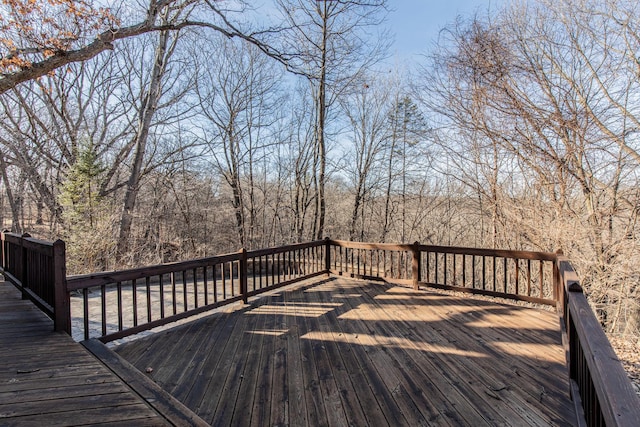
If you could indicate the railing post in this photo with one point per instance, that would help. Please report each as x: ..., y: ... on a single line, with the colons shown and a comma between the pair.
x: 3, y: 257
x: 62, y: 309
x: 243, y: 275
x: 415, y: 265
x: 327, y: 255
x: 558, y: 292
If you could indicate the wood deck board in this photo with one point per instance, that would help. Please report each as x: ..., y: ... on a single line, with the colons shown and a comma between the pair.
x: 472, y: 389
x: 47, y: 379
x: 532, y: 370
x: 345, y: 352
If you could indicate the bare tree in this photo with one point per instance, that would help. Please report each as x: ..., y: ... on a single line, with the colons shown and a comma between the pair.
x: 327, y: 36
x: 545, y: 89
x: 72, y: 31
x: 237, y: 96
x: 366, y: 110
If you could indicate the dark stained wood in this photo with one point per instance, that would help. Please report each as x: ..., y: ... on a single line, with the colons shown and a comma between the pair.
x: 176, y: 413
x: 346, y: 352
x: 48, y: 379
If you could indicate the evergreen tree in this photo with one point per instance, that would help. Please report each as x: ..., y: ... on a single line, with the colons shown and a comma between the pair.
x: 85, y: 212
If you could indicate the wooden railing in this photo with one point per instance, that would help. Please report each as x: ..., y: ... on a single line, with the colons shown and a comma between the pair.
x: 38, y: 269
x: 116, y: 304
x: 600, y: 387
x: 519, y: 275
x: 120, y: 303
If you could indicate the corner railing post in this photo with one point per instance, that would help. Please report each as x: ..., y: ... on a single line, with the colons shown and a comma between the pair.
x: 327, y: 255
x: 62, y: 309
x: 558, y: 292
x: 415, y: 265
x: 243, y: 275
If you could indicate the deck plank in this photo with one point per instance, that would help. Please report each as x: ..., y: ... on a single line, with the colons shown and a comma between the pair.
x: 48, y: 379
x: 346, y: 352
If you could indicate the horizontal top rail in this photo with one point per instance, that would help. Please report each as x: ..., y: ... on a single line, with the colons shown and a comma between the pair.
x: 281, y: 249
x: 502, y: 253
x: 30, y: 243
x: 82, y: 281
x: 372, y: 246
x: 603, y: 384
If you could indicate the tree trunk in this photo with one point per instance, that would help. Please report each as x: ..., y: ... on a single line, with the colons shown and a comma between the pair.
x: 15, y: 208
x: 147, y: 111
x: 320, y: 130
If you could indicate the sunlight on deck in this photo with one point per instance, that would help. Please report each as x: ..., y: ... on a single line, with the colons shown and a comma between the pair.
x: 303, y: 310
x: 395, y: 342
x: 540, y: 352
x: 270, y: 332
x: 346, y: 352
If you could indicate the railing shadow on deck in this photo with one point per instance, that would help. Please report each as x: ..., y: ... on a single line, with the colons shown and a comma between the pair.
x: 124, y: 303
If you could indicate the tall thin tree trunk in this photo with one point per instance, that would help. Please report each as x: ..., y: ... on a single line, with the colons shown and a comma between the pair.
x: 322, y: 110
x: 16, y: 226
x: 147, y: 111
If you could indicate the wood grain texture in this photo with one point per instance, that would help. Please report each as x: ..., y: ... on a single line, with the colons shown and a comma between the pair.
x: 48, y: 379
x: 346, y: 352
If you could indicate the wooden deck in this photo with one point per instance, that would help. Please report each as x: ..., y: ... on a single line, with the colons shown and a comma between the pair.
x: 48, y: 379
x: 344, y: 352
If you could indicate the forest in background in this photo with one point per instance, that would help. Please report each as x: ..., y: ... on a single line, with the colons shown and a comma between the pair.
x: 206, y: 127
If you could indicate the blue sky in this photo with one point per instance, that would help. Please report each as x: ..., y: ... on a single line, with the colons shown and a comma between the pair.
x: 416, y: 23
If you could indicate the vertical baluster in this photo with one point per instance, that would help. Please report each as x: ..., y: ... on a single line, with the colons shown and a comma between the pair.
x: 464, y: 270
x: 162, y: 296
x: 455, y: 277
x: 103, y: 303
x: 253, y: 273
x: 364, y: 262
x: 184, y: 289
x: 119, y: 304
x: 484, y: 272
x: 173, y: 292
x: 517, y: 264
x: 224, y: 281
x: 493, y: 266
x: 428, y: 267
x: 273, y: 269
x: 214, y: 278
x: 134, y: 292
x: 473, y: 271
x: 147, y: 283
x: 205, y: 284
x: 231, y: 278
x: 445, y: 268
x: 505, y: 275
x: 541, y: 279
x: 195, y: 287
x: 85, y: 301
x: 529, y: 277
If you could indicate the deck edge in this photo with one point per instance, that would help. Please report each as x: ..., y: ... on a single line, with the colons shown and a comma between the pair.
x: 174, y: 411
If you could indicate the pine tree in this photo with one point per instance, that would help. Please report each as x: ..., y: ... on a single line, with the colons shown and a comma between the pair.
x: 85, y: 213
